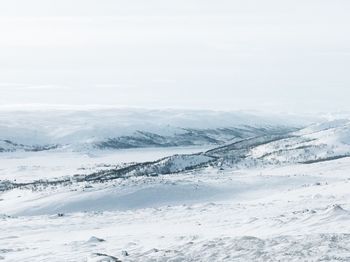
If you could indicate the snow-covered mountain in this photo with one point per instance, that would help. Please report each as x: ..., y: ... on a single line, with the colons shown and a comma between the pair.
x: 86, y: 130
x: 188, y: 137
x: 10, y: 146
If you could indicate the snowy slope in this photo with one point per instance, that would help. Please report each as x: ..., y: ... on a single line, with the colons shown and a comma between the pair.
x: 319, y: 142
x: 299, y: 213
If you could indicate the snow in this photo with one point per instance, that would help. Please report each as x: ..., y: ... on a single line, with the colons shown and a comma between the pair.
x: 29, y: 166
x: 80, y: 130
x: 321, y: 141
x: 289, y: 213
x: 233, y: 203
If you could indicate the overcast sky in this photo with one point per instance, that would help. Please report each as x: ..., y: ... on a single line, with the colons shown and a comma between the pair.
x: 221, y: 54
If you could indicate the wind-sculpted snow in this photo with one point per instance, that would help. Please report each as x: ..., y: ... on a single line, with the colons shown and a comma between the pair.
x: 320, y: 247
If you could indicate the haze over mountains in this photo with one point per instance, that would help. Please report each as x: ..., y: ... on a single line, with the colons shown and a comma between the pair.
x: 37, y: 130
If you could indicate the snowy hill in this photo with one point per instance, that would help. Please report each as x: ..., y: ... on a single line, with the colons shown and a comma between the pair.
x: 187, y: 137
x: 9, y: 146
x: 86, y: 130
x: 320, y: 142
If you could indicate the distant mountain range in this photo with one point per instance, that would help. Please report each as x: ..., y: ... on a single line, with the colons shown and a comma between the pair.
x: 40, y: 130
x: 236, y: 149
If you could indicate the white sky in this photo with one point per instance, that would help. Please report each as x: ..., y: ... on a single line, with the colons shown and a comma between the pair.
x: 221, y: 54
